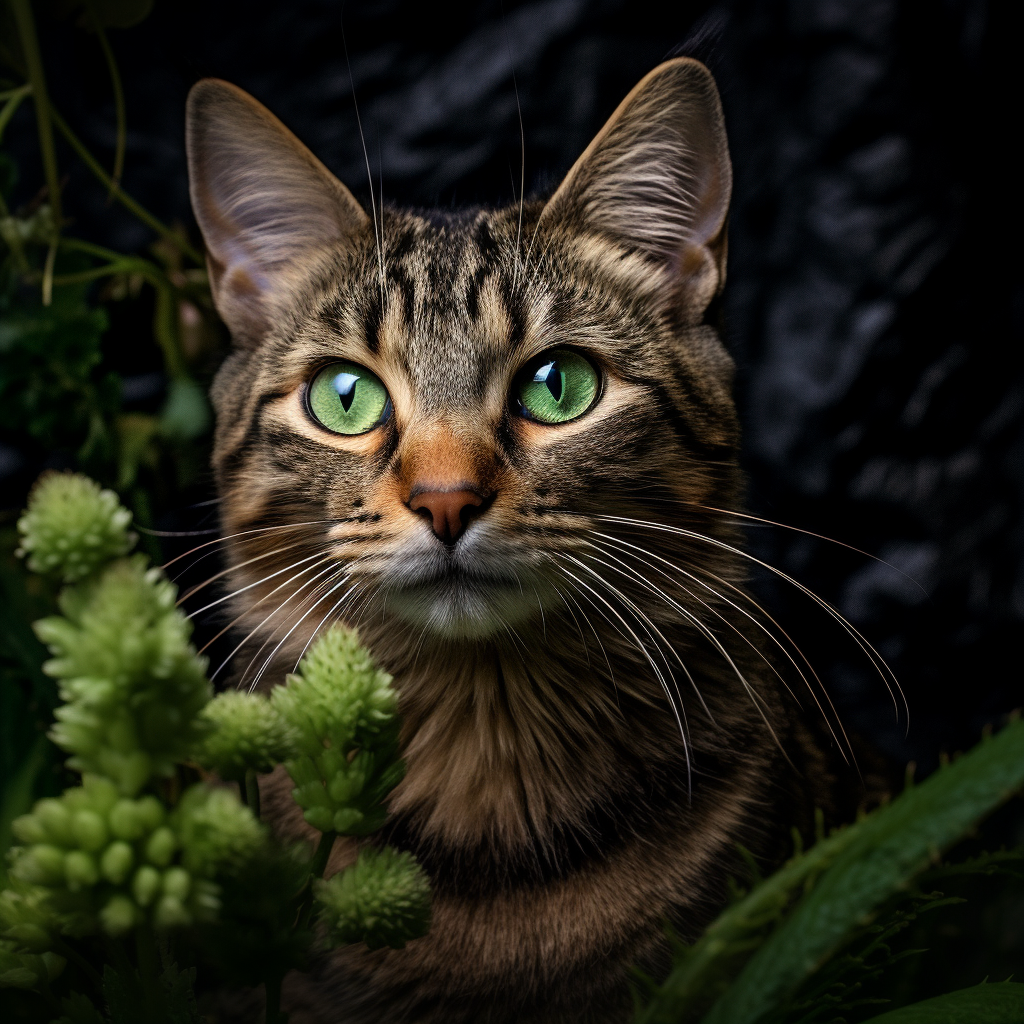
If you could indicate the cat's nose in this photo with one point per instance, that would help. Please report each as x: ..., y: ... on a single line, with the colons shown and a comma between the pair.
x: 449, y: 512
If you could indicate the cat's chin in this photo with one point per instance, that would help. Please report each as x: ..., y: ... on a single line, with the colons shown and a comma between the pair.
x: 465, y: 609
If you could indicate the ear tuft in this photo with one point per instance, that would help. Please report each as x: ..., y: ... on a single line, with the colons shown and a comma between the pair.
x: 657, y: 179
x: 265, y: 205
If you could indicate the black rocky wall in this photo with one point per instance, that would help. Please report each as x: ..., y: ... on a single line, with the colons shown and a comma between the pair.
x: 874, y: 303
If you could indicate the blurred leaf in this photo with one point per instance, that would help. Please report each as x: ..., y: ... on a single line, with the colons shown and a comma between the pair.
x: 186, y: 414
x: 702, y: 971
x: 999, y: 1003
x: 49, y: 385
x: 27, y: 696
x: 135, y: 434
x: 887, y: 849
x: 79, y: 1009
x: 111, y: 13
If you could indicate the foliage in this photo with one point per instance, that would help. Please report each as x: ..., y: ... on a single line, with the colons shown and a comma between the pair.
x: 798, y: 929
x: 382, y: 900
x: 346, y: 744
x: 75, y: 318
x: 245, y: 733
x: 71, y: 527
x: 140, y: 846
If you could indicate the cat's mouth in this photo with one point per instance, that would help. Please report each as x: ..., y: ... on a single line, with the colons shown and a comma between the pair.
x: 460, y: 601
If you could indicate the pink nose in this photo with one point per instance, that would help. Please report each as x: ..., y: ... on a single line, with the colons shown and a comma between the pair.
x: 448, y: 511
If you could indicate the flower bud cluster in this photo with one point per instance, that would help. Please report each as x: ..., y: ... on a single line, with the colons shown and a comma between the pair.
x: 95, y: 860
x: 344, y: 715
x: 382, y: 900
x: 132, y: 683
x: 245, y: 732
x: 216, y: 831
x: 71, y: 527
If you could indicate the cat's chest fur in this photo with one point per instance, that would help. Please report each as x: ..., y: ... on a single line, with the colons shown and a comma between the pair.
x: 501, y: 444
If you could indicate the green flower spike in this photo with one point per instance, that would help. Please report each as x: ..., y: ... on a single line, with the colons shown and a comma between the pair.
x: 382, y: 900
x: 72, y: 527
x: 344, y: 713
x: 217, y: 832
x: 95, y: 861
x: 245, y: 733
x: 132, y: 683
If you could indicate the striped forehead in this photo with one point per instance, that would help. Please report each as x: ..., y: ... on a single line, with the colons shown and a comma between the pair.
x: 448, y: 316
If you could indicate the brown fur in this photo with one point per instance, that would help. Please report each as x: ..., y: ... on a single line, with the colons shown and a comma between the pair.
x: 562, y: 810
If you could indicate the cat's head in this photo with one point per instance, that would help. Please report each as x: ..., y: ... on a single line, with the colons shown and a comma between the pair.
x: 440, y: 417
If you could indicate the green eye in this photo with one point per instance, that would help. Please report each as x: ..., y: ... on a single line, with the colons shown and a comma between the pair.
x: 348, y: 399
x: 557, y: 386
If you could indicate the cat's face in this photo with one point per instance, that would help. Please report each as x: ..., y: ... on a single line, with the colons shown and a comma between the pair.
x: 429, y: 417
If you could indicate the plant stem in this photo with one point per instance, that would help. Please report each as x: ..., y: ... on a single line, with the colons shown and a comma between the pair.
x: 22, y: 11
x: 51, y: 257
x: 251, y: 791
x: 120, y: 195
x: 62, y: 948
x: 84, y: 276
x: 13, y: 98
x: 165, y: 315
x: 323, y: 852
x: 165, y: 329
x: 118, y: 90
x: 316, y: 870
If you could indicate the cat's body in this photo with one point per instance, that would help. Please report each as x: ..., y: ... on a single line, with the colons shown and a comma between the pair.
x: 591, y: 725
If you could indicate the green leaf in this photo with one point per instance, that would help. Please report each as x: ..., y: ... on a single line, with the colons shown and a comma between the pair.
x: 703, y: 967
x: 120, y: 13
x: 51, y: 387
x: 886, y: 850
x: 79, y: 1009
x: 186, y: 415
x: 1000, y: 1003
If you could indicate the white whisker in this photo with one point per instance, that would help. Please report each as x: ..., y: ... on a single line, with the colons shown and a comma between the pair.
x: 256, y: 629
x: 677, y: 710
x: 869, y: 651
x: 622, y: 544
x: 249, y: 586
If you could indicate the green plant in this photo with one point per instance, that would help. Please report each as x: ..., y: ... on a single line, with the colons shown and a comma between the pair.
x: 759, y: 960
x: 143, y: 848
x: 72, y: 315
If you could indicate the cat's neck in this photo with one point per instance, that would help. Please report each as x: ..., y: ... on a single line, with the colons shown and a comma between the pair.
x: 496, y: 733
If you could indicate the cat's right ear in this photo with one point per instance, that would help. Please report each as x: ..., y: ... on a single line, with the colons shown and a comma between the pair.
x: 266, y: 206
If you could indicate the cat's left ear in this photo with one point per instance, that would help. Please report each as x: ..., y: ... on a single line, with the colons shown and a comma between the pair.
x: 657, y: 179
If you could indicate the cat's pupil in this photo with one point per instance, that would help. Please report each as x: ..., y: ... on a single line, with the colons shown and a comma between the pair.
x: 345, y: 385
x: 550, y: 375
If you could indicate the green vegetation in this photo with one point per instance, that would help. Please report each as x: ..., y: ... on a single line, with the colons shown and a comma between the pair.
x: 141, y: 846
x: 801, y: 945
x: 132, y: 884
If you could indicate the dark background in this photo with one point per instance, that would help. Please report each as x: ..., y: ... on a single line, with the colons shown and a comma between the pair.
x: 874, y: 303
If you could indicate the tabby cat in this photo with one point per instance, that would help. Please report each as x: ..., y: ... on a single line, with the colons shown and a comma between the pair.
x: 499, y: 442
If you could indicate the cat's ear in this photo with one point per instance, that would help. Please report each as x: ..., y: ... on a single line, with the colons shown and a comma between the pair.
x: 657, y: 178
x: 266, y: 206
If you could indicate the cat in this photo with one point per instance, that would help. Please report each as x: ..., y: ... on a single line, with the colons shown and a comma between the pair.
x: 502, y: 443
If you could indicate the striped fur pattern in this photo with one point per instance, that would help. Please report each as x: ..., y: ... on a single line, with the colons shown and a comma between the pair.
x: 590, y: 722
